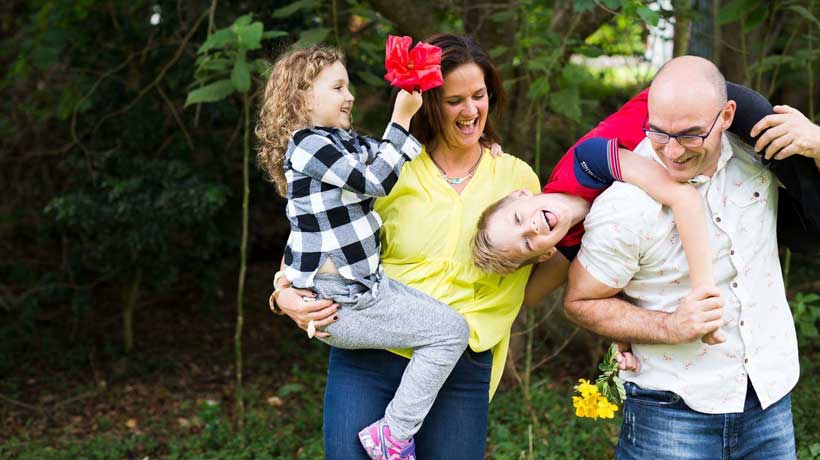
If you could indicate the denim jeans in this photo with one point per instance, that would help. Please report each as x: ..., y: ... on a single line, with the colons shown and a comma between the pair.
x: 659, y: 425
x: 360, y: 383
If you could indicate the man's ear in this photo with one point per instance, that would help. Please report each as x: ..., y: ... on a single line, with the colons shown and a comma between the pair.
x: 728, y: 115
x: 546, y: 256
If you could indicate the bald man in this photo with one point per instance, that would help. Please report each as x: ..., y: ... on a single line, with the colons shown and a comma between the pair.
x: 630, y: 282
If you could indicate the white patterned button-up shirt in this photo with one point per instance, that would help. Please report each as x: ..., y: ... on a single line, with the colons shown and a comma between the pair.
x: 631, y: 243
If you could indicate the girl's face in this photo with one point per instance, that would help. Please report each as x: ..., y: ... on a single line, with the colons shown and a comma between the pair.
x: 329, y: 99
x: 465, y: 103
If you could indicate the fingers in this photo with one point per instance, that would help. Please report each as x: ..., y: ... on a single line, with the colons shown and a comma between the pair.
x: 787, y: 152
x: 767, y: 122
x: 715, y: 337
x: 496, y: 150
x: 628, y: 362
x: 704, y: 292
x: 783, y: 108
x: 778, y: 143
x: 776, y: 130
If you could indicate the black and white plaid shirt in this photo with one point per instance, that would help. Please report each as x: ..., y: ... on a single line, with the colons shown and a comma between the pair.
x: 333, y: 177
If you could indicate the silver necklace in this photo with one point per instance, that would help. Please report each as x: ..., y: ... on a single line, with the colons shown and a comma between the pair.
x: 462, y: 179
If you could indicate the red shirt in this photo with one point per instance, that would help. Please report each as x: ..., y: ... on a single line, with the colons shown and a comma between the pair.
x: 627, y: 125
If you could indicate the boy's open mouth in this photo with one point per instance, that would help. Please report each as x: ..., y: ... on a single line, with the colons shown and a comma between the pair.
x: 550, y: 218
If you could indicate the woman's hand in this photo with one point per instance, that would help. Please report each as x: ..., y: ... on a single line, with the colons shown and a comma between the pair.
x: 302, y: 307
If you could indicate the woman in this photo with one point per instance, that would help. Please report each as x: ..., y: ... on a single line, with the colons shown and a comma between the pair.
x: 429, y: 219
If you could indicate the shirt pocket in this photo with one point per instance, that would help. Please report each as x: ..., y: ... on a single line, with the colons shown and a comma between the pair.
x: 752, y: 191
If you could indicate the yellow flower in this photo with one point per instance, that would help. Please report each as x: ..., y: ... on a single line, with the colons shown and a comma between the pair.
x: 591, y: 404
x: 605, y: 408
x: 586, y: 389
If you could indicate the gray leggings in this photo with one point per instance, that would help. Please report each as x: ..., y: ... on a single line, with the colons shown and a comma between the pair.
x: 392, y: 315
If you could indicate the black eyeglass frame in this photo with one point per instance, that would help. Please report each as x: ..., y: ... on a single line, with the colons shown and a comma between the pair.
x: 697, y: 139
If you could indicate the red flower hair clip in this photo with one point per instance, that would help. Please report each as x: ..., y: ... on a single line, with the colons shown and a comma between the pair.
x: 419, y: 68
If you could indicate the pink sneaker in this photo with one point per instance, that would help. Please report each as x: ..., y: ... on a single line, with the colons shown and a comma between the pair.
x: 380, y: 445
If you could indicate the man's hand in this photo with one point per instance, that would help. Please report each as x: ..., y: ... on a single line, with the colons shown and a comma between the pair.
x: 699, y: 314
x: 789, y: 133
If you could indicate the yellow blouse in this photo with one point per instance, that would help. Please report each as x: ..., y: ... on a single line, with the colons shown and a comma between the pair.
x: 426, y: 245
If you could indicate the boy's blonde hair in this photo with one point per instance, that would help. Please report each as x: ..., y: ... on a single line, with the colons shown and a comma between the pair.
x: 284, y: 106
x: 486, y: 256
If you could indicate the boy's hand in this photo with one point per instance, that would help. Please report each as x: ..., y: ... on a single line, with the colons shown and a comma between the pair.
x: 626, y: 360
x: 407, y: 104
x: 699, y: 314
x: 496, y: 150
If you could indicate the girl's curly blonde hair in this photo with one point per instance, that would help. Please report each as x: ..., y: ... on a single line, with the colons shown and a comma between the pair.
x: 284, y: 106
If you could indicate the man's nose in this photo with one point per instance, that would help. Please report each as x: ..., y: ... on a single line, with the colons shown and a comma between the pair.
x: 673, y: 150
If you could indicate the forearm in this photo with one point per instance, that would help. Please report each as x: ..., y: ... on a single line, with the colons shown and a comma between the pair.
x: 619, y: 320
x: 545, y: 278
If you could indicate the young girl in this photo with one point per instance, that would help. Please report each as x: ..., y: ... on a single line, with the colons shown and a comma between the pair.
x: 330, y: 176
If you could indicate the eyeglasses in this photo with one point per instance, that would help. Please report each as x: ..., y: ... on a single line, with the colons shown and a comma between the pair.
x: 685, y: 140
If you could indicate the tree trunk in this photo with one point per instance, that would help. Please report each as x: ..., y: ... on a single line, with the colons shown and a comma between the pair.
x: 131, y: 296
x: 243, y: 263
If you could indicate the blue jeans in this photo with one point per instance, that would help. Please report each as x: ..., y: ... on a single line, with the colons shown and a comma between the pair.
x: 360, y: 383
x: 659, y: 425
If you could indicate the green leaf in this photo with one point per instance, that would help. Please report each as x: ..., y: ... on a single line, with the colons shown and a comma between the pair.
x: 583, y: 5
x: 311, y: 37
x: 735, y: 10
x: 802, y: 11
x: 567, y: 103
x: 370, y: 79
x: 650, y: 17
x: 240, y: 76
x: 288, y: 10
x: 210, y: 93
x: 504, y: 16
x: 250, y: 36
x: 289, y: 388
x: 242, y: 21
x: 44, y: 56
x: 540, y: 87
x: 498, y: 51
x: 612, y: 4
x: 218, y: 39
x: 755, y: 18
x: 273, y: 34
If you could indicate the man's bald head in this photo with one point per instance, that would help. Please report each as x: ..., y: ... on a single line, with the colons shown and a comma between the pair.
x: 690, y: 77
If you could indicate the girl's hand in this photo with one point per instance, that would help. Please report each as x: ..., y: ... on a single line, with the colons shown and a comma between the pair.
x: 407, y: 104
x: 496, y: 150
x: 302, y: 306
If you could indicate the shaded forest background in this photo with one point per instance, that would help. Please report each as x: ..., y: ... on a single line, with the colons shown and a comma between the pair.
x: 138, y: 239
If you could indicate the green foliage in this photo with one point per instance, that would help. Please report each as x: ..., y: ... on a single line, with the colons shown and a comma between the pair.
x: 608, y: 382
x: 138, y: 213
x: 806, y: 312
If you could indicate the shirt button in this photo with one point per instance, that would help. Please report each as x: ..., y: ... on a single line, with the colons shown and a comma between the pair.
x: 746, y: 361
x: 734, y: 284
x: 756, y: 195
x: 717, y: 219
x: 732, y: 252
x: 742, y: 323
